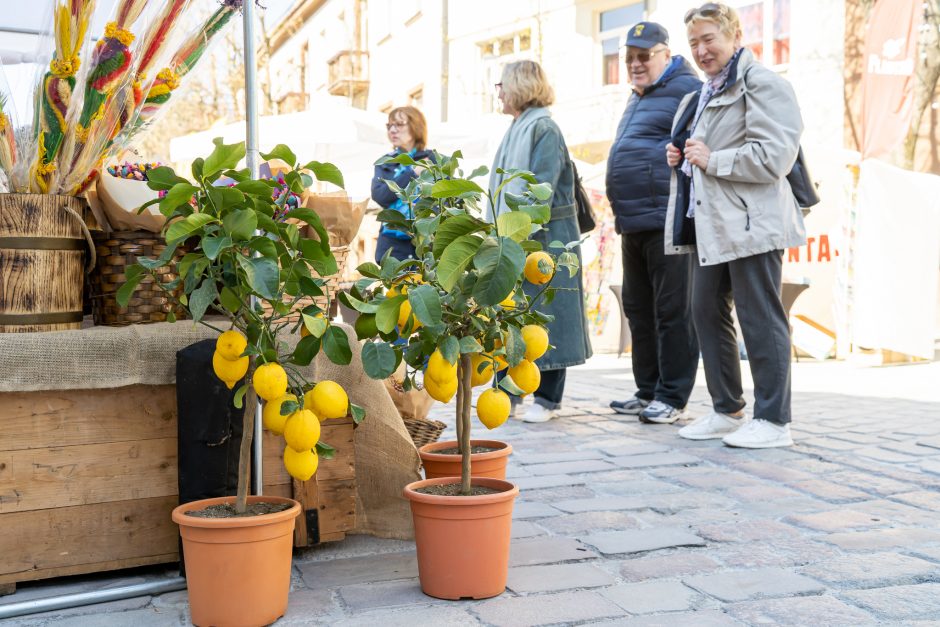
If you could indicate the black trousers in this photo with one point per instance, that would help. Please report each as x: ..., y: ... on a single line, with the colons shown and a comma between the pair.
x: 657, y: 293
x: 752, y: 285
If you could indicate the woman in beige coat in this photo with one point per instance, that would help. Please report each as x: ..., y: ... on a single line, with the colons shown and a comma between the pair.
x: 731, y: 205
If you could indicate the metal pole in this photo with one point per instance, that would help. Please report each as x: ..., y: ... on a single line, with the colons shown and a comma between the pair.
x: 65, y: 601
x: 251, y: 159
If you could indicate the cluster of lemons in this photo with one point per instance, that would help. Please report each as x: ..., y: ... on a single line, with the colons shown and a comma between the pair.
x: 301, y: 428
x: 493, y: 405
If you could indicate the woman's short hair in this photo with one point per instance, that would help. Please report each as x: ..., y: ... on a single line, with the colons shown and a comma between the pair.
x: 525, y: 85
x: 718, y: 13
x: 417, y: 125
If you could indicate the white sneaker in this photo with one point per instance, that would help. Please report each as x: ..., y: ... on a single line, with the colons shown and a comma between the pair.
x: 759, y: 434
x: 661, y: 413
x: 515, y: 411
x: 711, y: 426
x: 537, y: 413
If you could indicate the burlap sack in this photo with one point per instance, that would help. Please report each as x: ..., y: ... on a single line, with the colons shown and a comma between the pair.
x: 414, y: 403
x: 112, y: 357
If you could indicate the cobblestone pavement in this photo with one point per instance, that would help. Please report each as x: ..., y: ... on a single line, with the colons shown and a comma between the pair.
x: 620, y: 523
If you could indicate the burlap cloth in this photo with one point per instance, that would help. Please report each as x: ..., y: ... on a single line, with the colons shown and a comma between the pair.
x: 112, y: 357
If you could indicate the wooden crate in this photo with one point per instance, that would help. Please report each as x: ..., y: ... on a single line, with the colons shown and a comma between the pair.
x: 88, y: 479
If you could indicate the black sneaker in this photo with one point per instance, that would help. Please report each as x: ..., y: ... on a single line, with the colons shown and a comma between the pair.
x: 632, y: 406
x: 661, y: 413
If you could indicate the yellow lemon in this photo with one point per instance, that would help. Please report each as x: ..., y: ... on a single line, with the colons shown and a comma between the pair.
x: 478, y: 376
x: 536, y: 341
x: 508, y: 302
x: 230, y: 345
x: 302, y: 430
x: 439, y: 368
x: 539, y: 267
x: 301, y: 465
x: 270, y: 381
x: 404, y: 313
x: 493, y: 408
x: 526, y: 375
x: 231, y: 372
x: 411, y: 277
x: 442, y: 392
x: 271, y: 416
x: 328, y: 399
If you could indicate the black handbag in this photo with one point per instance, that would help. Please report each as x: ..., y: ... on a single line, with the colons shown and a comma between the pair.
x: 804, y: 189
x: 586, y: 220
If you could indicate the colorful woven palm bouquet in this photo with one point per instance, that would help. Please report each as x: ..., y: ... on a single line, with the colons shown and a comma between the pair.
x: 95, y: 99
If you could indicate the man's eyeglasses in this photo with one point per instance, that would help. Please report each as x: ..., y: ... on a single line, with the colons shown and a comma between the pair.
x: 642, y: 57
x: 395, y: 125
x: 709, y: 9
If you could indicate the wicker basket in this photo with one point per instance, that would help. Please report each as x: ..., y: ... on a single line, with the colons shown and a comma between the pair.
x: 331, y: 287
x: 424, y: 431
x: 116, y: 252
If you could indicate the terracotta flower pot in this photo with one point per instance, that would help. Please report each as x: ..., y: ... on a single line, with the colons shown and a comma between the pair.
x: 492, y: 465
x: 462, y: 541
x: 237, y: 569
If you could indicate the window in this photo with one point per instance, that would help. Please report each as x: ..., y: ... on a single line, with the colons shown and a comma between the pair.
x: 416, y: 97
x: 496, y: 53
x: 768, y: 40
x: 612, y: 29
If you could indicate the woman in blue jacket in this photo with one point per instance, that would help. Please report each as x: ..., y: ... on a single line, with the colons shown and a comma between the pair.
x: 408, y: 133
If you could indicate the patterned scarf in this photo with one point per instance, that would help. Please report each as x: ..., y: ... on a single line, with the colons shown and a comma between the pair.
x: 712, y: 87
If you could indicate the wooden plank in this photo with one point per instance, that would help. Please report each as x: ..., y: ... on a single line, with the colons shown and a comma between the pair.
x: 337, y: 504
x: 87, y: 538
x: 337, y: 433
x: 72, y: 417
x: 94, y: 567
x: 7, y: 588
x: 94, y: 473
x: 305, y: 493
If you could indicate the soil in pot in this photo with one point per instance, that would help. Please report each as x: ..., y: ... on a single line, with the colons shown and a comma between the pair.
x: 453, y: 489
x: 473, y: 450
x: 226, y: 510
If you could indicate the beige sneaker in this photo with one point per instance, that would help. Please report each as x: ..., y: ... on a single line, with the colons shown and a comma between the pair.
x: 760, y: 434
x: 712, y: 426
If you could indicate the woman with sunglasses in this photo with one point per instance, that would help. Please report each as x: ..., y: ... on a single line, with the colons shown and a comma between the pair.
x: 535, y: 143
x: 733, y: 144
x: 408, y: 133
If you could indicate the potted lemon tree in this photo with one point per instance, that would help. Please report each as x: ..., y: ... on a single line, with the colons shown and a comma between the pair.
x: 248, y: 263
x: 457, y: 315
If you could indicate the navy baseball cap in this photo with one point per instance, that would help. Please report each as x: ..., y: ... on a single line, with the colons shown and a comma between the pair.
x: 647, y: 35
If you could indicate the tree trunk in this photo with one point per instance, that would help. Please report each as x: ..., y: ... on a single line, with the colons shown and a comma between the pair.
x: 463, y: 419
x: 244, y: 453
x: 926, y: 77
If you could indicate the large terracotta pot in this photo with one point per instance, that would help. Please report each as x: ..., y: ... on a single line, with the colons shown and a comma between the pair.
x: 237, y: 569
x: 492, y: 465
x: 462, y: 541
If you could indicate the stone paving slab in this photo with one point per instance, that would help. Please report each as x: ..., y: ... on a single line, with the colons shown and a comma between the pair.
x: 450, y: 616
x: 742, y: 585
x: 622, y: 542
x: 872, y: 569
x: 556, y: 577
x: 548, y: 551
x: 647, y: 598
x: 899, y: 602
x: 800, y: 612
x: 547, y: 609
x: 701, y: 618
x: 370, y: 568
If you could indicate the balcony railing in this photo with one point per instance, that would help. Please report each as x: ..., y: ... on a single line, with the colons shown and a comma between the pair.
x: 349, y: 73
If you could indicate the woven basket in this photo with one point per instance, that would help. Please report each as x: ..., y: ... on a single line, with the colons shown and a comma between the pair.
x: 117, y: 251
x: 424, y: 431
x: 331, y: 287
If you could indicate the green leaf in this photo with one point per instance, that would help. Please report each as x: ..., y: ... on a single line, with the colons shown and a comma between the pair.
x: 325, y: 451
x: 202, y: 297
x: 479, y: 171
x: 289, y: 407
x: 223, y: 157
x: 179, y: 194
x: 569, y: 260
x: 454, y: 227
x: 452, y: 188
x: 510, y: 386
x: 230, y: 300
x: 542, y: 191
x: 450, y: 348
x: 515, y: 346
x: 307, y: 348
x: 310, y: 217
x: 358, y: 413
x: 354, y: 303
x: 516, y: 225
x: 316, y: 326
x: 262, y: 275
x: 213, y: 245
x: 386, y: 317
x: 256, y: 188
x: 240, y: 395
x: 500, y: 262
x: 182, y: 229
x: 336, y: 346
x: 402, y: 159
x: 264, y: 246
x: 378, y: 360
x: 163, y: 179
x: 370, y: 270
x: 540, y: 214
x: 240, y: 224
x: 222, y: 198
x: 134, y: 276
x: 470, y: 345
x: 326, y: 172
x: 281, y: 152
x: 455, y: 259
x: 530, y: 246
x: 425, y: 304
x: 309, y: 287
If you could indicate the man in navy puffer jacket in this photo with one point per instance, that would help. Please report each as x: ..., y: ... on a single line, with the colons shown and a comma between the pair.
x: 656, y: 287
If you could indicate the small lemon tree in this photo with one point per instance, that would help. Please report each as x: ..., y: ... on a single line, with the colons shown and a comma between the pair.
x: 459, y: 312
x: 248, y: 259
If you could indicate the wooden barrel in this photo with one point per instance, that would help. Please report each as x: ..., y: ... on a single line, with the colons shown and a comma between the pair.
x: 42, y: 259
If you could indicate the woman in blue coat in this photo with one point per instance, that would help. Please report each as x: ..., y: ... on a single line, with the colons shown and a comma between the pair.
x: 535, y: 143
x: 408, y: 133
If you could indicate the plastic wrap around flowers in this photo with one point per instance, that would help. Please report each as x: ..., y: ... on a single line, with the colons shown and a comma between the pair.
x: 284, y: 198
